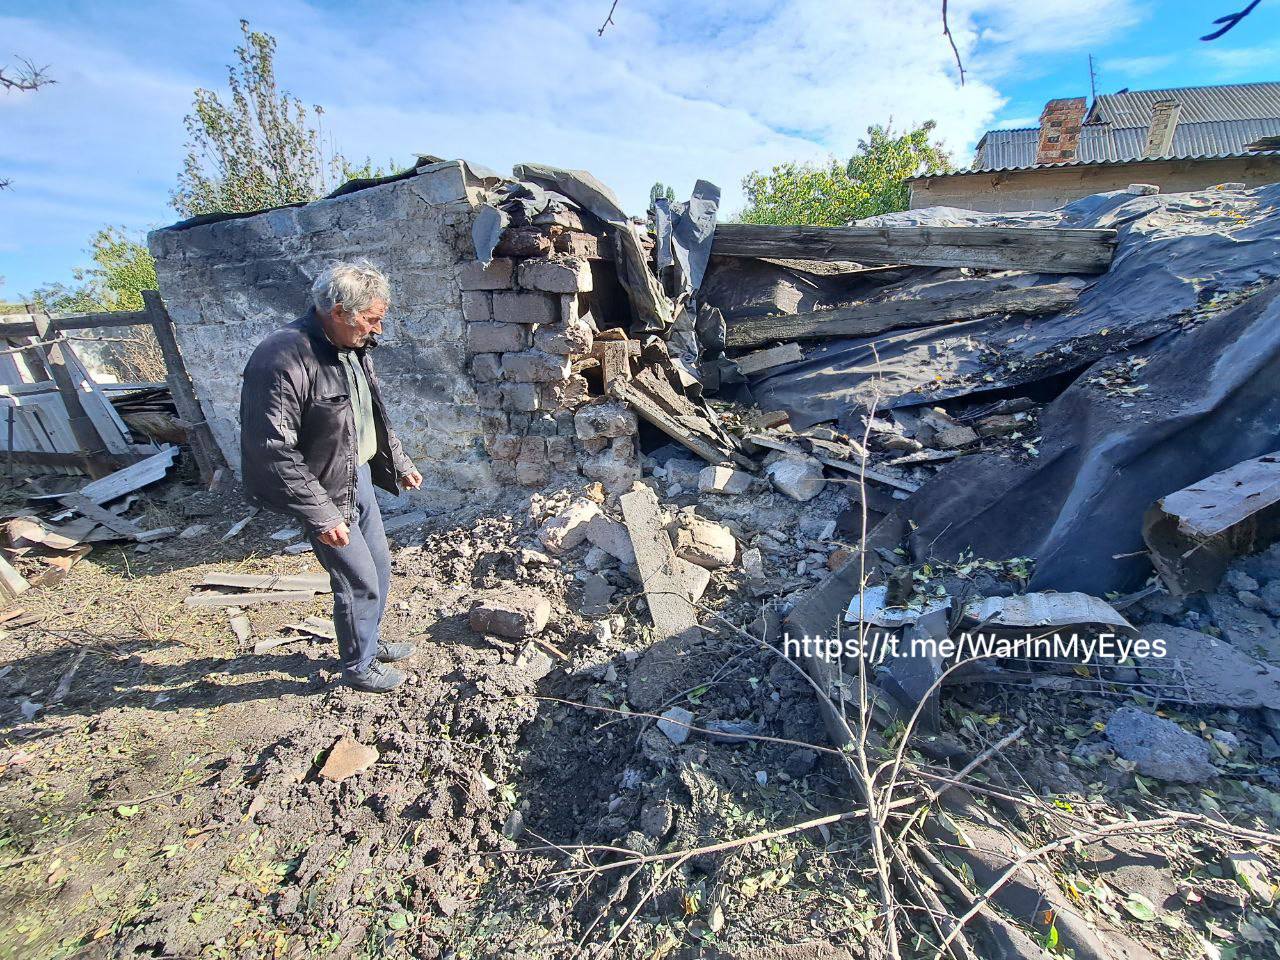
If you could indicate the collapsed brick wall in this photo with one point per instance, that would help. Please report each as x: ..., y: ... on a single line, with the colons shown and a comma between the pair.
x: 477, y: 365
x: 530, y: 330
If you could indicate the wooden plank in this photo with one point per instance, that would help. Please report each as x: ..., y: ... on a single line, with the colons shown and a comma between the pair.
x: 25, y: 324
x: 248, y: 599
x: 865, y: 319
x: 315, y: 582
x: 1039, y: 249
x: 768, y: 359
x: 86, y: 507
x: 12, y: 582
x: 88, y: 438
x: 200, y: 438
x: 654, y: 414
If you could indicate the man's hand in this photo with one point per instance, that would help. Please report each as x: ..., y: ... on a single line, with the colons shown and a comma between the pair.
x: 339, y: 536
x: 411, y: 480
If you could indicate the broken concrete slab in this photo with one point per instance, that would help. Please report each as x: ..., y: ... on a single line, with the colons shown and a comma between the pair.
x: 612, y: 537
x: 568, y: 528
x: 799, y: 478
x: 347, y: 757
x: 315, y: 582
x: 657, y: 673
x: 517, y: 614
x: 263, y: 598
x: 1160, y: 748
x: 1212, y: 671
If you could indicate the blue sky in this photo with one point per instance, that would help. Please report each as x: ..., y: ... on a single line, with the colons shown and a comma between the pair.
x: 672, y: 91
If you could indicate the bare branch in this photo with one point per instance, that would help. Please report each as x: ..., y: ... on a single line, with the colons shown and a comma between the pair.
x: 609, y: 19
x: 28, y: 77
x: 1230, y: 20
x: 946, y: 31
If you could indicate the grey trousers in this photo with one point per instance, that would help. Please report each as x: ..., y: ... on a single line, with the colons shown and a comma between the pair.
x: 360, y: 574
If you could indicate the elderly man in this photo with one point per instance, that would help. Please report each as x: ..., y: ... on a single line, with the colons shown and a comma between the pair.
x: 314, y: 439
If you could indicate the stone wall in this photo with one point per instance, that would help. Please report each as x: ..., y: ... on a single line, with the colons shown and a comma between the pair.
x: 478, y: 364
x: 529, y: 327
x: 229, y: 283
x: 1013, y: 190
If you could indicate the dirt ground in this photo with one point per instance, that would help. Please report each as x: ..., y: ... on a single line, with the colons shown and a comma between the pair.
x: 170, y: 804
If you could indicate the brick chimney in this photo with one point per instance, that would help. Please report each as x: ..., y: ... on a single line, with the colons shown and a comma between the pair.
x: 1060, y: 130
x: 1164, y: 121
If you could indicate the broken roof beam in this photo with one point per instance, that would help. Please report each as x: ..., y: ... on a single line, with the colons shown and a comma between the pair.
x: 1193, y: 533
x: 867, y: 319
x: 1040, y: 249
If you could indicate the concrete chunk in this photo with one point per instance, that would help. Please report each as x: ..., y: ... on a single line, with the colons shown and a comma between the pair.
x: 568, y: 528
x: 705, y: 543
x: 611, y: 418
x: 724, y: 480
x: 516, y: 614
x: 611, y: 537
x: 1159, y: 747
x: 799, y: 478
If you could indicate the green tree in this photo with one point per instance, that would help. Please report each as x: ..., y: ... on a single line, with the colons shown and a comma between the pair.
x: 257, y: 149
x: 659, y: 190
x: 871, y: 182
x: 122, y: 268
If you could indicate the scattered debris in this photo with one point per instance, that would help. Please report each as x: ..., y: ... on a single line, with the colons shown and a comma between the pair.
x: 516, y: 614
x: 348, y: 757
x: 1159, y: 747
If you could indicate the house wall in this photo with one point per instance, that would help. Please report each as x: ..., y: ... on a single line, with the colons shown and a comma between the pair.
x: 230, y: 283
x: 476, y: 363
x: 1049, y: 189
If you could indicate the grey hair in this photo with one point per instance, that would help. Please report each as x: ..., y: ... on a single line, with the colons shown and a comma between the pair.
x: 353, y: 286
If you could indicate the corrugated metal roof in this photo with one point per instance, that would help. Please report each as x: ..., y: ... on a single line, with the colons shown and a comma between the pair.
x: 1237, y: 101
x: 1101, y: 143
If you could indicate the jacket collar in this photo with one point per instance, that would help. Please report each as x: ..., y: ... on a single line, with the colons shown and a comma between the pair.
x: 310, y: 322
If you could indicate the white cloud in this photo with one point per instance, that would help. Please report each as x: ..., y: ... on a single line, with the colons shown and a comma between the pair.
x: 1136, y: 66
x: 1240, y: 62
x: 672, y: 91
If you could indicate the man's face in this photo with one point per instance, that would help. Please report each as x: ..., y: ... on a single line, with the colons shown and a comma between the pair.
x: 353, y: 330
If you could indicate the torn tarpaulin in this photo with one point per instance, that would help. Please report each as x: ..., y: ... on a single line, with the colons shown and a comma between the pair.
x: 1173, y: 254
x: 1208, y: 402
x: 650, y: 305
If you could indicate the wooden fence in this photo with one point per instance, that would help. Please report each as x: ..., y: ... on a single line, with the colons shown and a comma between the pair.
x: 55, y: 415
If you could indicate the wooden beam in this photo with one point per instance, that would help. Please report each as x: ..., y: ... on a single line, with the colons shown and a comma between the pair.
x: 768, y: 359
x: 865, y: 319
x: 199, y: 436
x: 11, y: 328
x: 90, y: 441
x: 1041, y: 249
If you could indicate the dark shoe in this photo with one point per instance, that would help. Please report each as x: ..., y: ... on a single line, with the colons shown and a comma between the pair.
x: 391, y: 652
x: 377, y: 679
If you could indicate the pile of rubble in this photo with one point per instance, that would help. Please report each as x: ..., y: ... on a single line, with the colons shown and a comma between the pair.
x: 989, y: 406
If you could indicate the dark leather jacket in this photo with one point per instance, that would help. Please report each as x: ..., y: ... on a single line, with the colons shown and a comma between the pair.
x: 298, y: 433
